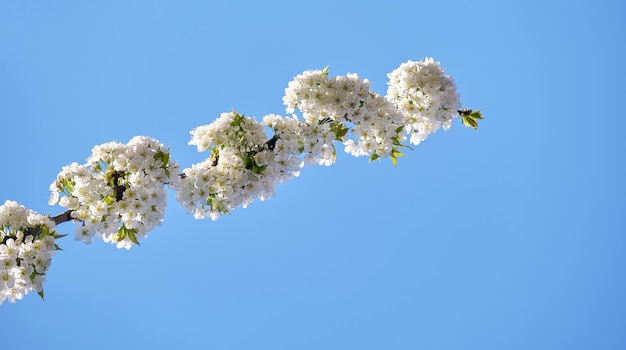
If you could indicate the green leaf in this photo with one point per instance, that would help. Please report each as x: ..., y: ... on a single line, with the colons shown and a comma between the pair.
x: 121, y: 234
x: 374, y: 157
x: 132, y: 236
x: 339, y: 129
x: 470, y: 122
x: 124, y: 232
x: 342, y: 132
x: 394, y: 155
x: 166, y: 162
x: 237, y: 120
x: 476, y: 114
x: 248, y: 162
x: 396, y: 142
x: 40, y: 294
x: 163, y: 157
x: 258, y: 169
x: 108, y: 200
x: 33, y: 275
x: 471, y: 119
x: 325, y: 71
x: 397, y: 153
x: 210, y: 199
x: 393, y: 159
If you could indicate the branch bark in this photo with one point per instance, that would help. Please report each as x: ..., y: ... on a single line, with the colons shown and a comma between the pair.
x: 63, y: 217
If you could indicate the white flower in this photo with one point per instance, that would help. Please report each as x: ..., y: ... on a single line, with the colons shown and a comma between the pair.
x: 83, y: 234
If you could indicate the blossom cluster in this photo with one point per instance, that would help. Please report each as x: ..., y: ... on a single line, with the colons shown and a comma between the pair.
x: 119, y: 194
x: 346, y: 103
x: 426, y: 97
x: 27, y: 244
x: 243, y: 164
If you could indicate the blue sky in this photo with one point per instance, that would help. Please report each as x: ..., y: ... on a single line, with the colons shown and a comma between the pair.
x: 509, y: 237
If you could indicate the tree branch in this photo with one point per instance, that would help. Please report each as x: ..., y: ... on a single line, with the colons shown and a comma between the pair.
x: 271, y: 143
x: 63, y: 217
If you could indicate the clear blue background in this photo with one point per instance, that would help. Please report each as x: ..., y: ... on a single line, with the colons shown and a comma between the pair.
x: 509, y: 237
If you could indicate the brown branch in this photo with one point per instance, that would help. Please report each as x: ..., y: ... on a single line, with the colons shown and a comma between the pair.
x: 119, y: 189
x: 63, y: 217
x: 271, y: 143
